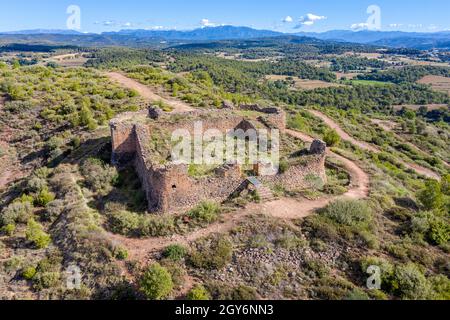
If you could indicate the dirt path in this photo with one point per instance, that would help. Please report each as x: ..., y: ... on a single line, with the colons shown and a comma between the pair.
x: 148, y: 93
x: 285, y: 208
x: 390, y: 127
x: 346, y: 137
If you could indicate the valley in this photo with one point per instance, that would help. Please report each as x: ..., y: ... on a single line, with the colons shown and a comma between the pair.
x: 88, y: 177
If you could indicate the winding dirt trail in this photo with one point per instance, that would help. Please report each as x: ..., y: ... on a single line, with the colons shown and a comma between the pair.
x: 390, y: 126
x: 284, y: 208
x: 363, y: 145
x: 148, y: 94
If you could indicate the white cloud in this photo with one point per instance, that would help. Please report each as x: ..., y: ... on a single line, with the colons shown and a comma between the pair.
x: 207, y: 23
x: 288, y: 19
x: 359, y: 26
x: 127, y: 24
x: 156, y: 28
x: 109, y: 23
x: 395, y: 25
x: 309, y: 20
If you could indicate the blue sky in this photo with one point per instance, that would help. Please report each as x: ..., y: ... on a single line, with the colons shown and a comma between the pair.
x: 318, y: 15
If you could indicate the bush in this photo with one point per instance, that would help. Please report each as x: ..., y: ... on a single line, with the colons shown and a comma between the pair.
x: 120, y: 253
x: 123, y: 222
x: 213, y: 254
x: 36, y: 234
x: 431, y: 196
x: 410, y: 283
x: 348, y: 212
x: 156, y: 283
x: 198, y: 293
x: 206, y: 212
x: 439, y: 232
x: 53, y: 210
x: 175, y: 252
x: 156, y: 226
x: 47, y: 272
x: 29, y: 273
x: 16, y: 212
x: 44, y: 197
x: 98, y: 176
x: 331, y: 138
x: 36, y: 184
x: 45, y: 280
x: 9, y: 229
x: 441, y: 287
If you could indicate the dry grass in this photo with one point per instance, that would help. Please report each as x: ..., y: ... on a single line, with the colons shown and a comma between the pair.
x: 438, y: 83
x: 349, y: 76
x: 69, y: 60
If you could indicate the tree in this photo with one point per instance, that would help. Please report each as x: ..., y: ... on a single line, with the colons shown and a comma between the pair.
x: 431, y: 196
x: 156, y: 282
x: 331, y: 138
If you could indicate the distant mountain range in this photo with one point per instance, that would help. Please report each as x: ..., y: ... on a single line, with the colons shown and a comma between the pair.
x: 424, y: 41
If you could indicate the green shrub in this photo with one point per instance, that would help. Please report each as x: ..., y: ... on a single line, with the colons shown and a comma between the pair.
x: 98, y: 176
x: 123, y: 222
x: 53, y: 210
x: 46, y: 280
x: 244, y: 293
x: 9, y: 229
x: 431, y: 196
x: 175, y: 252
x: 29, y: 273
x: 44, y: 197
x: 441, y: 287
x: 206, y: 212
x: 48, y: 272
x: 36, y: 235
x: 439, y: 232
x: 410, y: 283
x: 331, y: 138
x: 156, y: 283
x: 120, y: 253
x: 16, y: 212
x: 198, y: 293
x: 213, y: 253
x: 36, y: 184
x: 156, y: 225
x: 348, y: 212
x: 176, y: 270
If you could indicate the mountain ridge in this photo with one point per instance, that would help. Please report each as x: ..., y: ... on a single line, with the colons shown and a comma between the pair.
x: 417, y: 40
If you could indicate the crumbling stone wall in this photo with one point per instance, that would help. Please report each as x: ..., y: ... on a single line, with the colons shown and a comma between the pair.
x: 169, y: 188
x: 302, y: 176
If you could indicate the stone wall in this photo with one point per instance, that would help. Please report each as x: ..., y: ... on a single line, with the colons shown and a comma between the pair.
x: 300, y: 176
x: 169, y: 188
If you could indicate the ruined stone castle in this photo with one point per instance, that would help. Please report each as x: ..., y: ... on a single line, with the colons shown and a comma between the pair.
x: 143, y: 140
